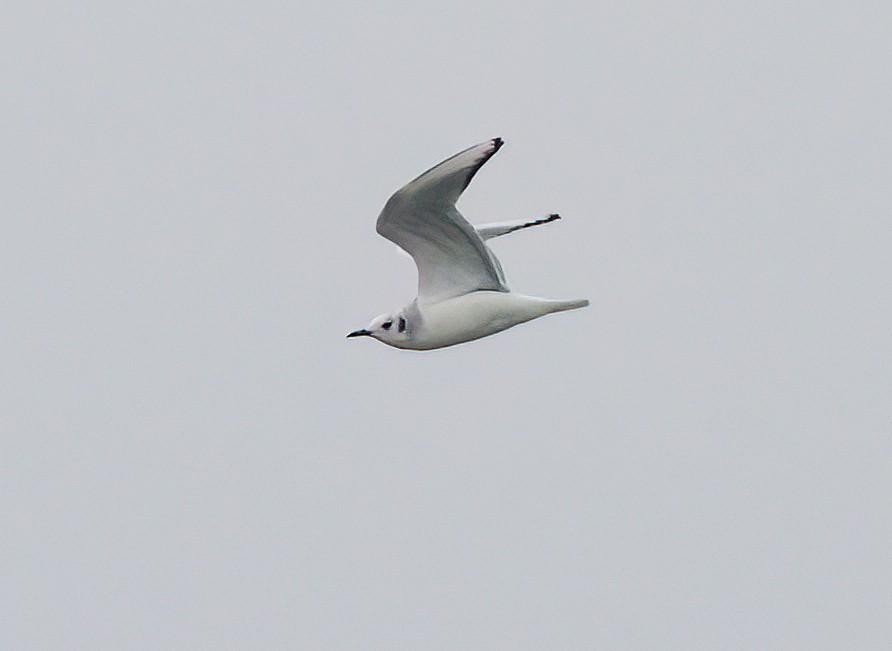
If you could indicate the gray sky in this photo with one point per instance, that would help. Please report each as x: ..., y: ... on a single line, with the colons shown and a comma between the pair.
x: 193, y: 456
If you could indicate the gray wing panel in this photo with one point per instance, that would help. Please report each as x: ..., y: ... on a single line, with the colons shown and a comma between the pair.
x: 421, y: 218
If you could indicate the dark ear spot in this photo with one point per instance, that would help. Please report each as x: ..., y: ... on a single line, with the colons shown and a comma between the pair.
x: 402, y: 325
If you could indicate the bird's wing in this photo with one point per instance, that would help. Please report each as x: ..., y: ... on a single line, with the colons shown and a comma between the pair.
x: 489, y: 231
x: 421, y: 218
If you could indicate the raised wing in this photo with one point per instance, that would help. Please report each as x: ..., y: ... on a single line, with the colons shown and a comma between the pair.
x: 421, y: 218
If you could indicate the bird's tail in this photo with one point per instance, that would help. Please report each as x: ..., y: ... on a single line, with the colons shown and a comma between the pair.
x: 563, y: 306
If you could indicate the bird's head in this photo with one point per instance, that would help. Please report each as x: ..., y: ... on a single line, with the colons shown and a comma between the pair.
x: 391, y: 329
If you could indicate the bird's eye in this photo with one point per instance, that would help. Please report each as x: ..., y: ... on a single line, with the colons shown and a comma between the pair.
x: 386, y: 325
x: 402, y: 326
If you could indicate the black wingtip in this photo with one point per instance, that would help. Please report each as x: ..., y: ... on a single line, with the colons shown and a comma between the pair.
x: 496, y: 145
x: 545, y: 220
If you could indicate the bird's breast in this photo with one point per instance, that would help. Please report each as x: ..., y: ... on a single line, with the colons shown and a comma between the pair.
x: 472, y: 316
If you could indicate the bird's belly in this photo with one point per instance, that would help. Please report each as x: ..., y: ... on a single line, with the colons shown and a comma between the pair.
x: 472, y: 316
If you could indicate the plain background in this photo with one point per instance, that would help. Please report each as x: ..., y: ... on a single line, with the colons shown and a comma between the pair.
x: 193, y: 456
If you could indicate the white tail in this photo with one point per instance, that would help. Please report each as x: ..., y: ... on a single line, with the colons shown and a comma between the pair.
x: 563, y: 306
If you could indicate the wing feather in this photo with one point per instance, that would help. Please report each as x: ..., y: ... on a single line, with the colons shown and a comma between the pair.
x: 421, y: 218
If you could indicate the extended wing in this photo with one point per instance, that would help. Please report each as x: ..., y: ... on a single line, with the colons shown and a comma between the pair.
x: 489, y: 231
x: 421, y: 218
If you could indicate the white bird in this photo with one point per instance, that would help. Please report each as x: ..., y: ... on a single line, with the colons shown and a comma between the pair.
x: 462, y: 293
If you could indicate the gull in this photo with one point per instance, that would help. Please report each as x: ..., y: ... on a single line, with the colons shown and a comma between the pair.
x: 462, y: 293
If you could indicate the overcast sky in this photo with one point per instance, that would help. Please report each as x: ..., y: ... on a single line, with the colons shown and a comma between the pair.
x: 193, y: 456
